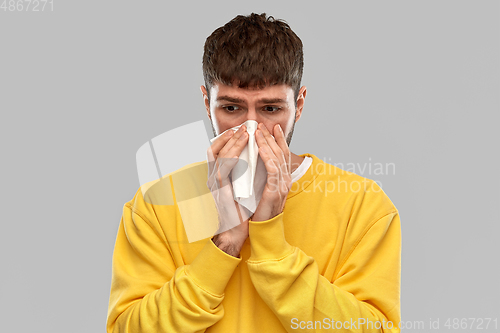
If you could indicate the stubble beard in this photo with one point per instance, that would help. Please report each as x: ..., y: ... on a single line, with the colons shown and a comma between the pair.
x: 290, y: 134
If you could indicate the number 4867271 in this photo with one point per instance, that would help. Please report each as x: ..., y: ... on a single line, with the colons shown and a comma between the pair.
x: 27, y: 5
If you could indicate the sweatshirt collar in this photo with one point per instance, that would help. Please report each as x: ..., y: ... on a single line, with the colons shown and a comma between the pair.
x: 314, y: 170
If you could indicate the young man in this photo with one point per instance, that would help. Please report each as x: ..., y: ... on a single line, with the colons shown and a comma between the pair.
x: 320, y: 252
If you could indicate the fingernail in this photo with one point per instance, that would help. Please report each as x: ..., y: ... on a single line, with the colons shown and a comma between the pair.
x: 229, y: 133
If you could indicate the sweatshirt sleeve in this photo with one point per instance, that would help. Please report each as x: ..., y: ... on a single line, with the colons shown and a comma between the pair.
x: 366, y: 288
x: 150, y: 294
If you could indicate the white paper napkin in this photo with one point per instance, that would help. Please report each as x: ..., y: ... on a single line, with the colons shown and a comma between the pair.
x: 249, y: 176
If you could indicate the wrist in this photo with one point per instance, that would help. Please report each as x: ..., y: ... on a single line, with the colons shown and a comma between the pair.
x: 264, y: 216
x: 228, y: 246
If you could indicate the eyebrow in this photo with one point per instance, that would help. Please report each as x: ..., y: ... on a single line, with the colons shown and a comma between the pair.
x: 230, y: 99
x: 240, y: 101
x: 271, y: 100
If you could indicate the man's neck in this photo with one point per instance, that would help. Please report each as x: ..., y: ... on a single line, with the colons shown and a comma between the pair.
x: 296, y: 161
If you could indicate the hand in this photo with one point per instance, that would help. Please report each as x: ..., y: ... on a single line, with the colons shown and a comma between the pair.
x: 278, y: 160
x: 223, y: 155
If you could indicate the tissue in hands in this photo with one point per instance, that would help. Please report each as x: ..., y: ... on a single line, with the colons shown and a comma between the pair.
x: 249, y: 175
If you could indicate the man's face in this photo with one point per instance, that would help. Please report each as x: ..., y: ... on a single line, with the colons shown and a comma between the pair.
x: 231, y: 106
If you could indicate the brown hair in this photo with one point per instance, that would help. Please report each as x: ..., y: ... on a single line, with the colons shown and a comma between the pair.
x: 253, y: 51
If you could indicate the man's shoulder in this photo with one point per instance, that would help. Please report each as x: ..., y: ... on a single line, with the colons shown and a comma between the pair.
x: 180, y: 184
x: 349, y: 185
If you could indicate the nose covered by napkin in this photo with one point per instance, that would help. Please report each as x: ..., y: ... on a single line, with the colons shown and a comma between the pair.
x: 249, y: 176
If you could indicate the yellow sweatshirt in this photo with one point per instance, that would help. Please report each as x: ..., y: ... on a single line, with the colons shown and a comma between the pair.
x: 330, y: 262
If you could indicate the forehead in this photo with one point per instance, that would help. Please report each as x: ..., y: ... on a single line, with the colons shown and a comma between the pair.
x: 278, y: 91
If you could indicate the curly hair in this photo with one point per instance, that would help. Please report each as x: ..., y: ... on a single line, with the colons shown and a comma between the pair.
x: 253, y: 51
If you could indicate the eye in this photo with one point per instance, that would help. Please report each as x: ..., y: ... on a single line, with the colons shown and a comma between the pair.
x: 230, y: 108
x: 271, y: 108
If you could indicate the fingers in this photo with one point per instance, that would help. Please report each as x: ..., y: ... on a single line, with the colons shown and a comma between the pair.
x: 217, y: 145
x: 235, y: 145
x: 228, y: 156
x: 227, y: 139
x: 281, y: 140
x: 223, y: 155
x: 276, y: 147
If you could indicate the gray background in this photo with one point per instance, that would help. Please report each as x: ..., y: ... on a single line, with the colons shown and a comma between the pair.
x: 414, y: 83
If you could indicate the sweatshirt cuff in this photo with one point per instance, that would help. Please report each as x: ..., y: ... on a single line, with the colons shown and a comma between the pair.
x: 267, y: 239
x: 212, y: 268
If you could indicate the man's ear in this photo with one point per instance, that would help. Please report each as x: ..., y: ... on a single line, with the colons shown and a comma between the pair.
x: 206, y: 100
x: 300, y: 102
